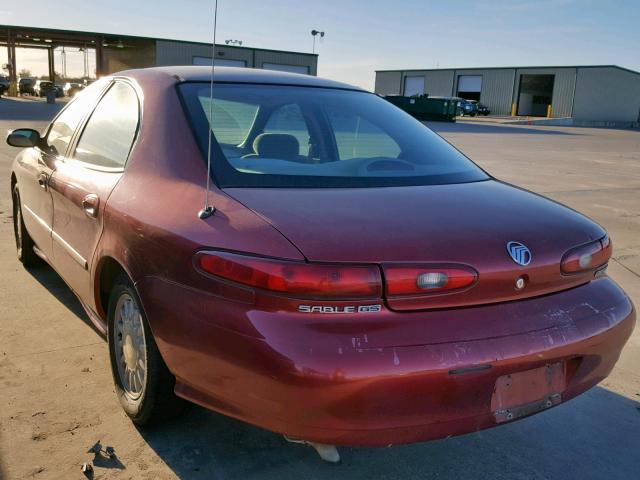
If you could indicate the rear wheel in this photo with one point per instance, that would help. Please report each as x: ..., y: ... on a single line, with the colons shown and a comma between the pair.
x: 24, y: 242
x: 143, y: 382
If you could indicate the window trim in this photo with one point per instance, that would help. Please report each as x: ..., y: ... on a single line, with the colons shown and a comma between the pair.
x: 69, y: 158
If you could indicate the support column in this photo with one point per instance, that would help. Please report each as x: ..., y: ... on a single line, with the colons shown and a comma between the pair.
x: 52, y: 70
x: 99, y: 57
x: 13, y: 74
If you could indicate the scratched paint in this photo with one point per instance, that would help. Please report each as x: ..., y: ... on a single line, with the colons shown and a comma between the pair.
x: 396, y: 359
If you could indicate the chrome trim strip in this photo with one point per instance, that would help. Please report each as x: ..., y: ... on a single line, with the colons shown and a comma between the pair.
x: 70, y: 250
x: 44, y: 224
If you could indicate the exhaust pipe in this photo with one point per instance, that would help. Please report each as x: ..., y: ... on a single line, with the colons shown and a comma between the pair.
x: 328, y: 453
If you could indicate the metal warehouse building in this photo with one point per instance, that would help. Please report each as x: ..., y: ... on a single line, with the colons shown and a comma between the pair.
x: 120, y: 52
x: 584, y: 94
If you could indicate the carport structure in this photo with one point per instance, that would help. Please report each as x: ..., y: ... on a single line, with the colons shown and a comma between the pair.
x: 115, y: 52
x: 109, y: 49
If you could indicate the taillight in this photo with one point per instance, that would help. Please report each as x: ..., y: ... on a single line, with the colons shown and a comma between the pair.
x: 403, y: 280
x: 587, y: 257
x: 293, y: 278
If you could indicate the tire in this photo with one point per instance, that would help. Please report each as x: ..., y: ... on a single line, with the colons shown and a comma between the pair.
x: 24, y: 242
x: 146, y: 393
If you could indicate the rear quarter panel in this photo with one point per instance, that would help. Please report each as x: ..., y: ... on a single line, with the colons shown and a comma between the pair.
x: 151, y: 219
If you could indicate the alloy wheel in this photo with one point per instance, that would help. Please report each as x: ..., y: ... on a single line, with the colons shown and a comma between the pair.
x: 131, y: 350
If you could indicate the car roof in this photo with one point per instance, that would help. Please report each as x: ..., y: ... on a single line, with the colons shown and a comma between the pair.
x: 196, y: 73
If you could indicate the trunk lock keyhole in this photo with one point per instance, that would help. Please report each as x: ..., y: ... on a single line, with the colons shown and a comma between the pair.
x: 521, y: 282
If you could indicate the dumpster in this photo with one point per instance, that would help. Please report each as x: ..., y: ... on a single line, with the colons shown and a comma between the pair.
x: 422, y: 107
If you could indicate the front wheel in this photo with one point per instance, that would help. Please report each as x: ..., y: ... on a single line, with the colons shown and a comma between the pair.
x: 143, y: 382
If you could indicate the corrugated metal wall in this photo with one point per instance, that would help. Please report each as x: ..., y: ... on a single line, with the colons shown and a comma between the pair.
x: 497, y: 85
x: 607, y: 94
x: 439, y: 82
x: 388, y: 83
x: 179, y: 53
x: 182, y: 53
x: 231, y: 53
x: 436, y: 82
x: 287, y: 58
x: 563, y: 88
x: 592, y: 94
x: 116, y: 59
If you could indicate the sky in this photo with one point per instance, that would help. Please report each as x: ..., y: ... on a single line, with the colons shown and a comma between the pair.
x: 368, y: 35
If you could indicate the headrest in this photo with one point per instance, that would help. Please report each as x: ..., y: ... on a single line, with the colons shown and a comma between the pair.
x: 276, y: 145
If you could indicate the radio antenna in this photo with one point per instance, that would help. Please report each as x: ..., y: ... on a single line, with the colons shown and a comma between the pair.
x: 209, y: 209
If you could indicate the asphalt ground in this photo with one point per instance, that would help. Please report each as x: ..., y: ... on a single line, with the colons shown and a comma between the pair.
x: 57, y: 399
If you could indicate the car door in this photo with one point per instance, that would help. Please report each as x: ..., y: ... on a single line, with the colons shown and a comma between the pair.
x: 38, y: 164
x: 82, y: 183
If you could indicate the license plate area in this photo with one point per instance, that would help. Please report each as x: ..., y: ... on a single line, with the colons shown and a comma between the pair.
x: 524, y: 393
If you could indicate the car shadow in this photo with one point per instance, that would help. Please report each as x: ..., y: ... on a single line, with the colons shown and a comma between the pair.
x: 49, y: 279
x: 593, y: 436
x: 487, y: 128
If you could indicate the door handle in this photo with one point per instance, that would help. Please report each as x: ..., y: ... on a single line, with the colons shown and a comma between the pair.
x: 90, y: 205
x: 42, y: 180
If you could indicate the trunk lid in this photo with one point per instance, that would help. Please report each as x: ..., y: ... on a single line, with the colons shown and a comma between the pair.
x: 469, y: 224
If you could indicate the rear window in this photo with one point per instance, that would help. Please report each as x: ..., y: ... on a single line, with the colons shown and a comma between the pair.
x: 295, y: 136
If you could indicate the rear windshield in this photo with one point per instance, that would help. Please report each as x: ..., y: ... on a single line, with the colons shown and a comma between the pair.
x: 294, y: 136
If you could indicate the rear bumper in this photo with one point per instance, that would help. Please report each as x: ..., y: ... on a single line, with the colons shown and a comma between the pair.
x: 326, y: 384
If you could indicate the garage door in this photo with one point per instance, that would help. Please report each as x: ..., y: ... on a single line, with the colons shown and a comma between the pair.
x: 220, y: 62
x: 281, y: 67
x: 469, y: 86
x: 413, y: 85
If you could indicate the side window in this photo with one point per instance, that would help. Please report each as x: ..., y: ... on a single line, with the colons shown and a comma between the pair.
x: 109, y: 133
x: 63, y: 127
x: 359, y: 138
x: 288, y: 119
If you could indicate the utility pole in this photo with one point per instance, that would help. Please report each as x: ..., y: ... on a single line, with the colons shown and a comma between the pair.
x: 63, y: 55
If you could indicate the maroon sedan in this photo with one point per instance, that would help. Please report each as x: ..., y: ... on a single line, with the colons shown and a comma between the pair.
x: 352, y: 279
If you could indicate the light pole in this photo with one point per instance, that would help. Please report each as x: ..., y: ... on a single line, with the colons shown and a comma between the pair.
x: 315, y: 33
x: 63, y: 56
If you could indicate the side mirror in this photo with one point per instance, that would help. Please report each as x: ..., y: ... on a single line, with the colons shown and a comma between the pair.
x: 23, y: 137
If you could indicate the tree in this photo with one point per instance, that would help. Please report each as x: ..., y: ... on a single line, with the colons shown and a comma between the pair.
x: 25, y: 72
